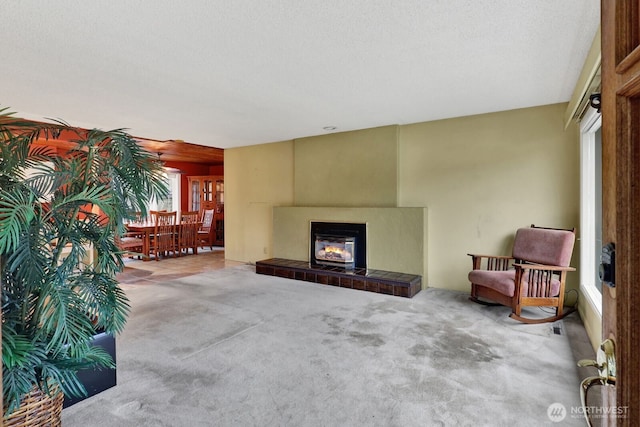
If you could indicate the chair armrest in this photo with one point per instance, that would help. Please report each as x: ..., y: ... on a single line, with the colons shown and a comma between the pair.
x: 543, y: 267
x: 493, y: 262
x: 491, y: 256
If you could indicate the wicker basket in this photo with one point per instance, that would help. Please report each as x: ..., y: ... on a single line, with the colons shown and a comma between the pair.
x: 37, y: 409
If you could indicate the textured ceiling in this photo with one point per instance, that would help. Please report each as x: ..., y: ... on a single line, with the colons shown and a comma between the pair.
x: 233, y: 73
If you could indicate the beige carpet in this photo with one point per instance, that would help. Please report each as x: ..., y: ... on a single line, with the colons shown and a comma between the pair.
x: 233, y: 348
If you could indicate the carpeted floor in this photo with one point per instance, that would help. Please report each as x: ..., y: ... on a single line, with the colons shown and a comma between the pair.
x: 233, y: 348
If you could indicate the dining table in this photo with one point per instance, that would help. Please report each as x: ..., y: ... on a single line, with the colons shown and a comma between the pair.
x: 146, y: 229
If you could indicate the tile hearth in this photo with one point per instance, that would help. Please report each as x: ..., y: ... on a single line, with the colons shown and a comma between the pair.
x: 380, y: 281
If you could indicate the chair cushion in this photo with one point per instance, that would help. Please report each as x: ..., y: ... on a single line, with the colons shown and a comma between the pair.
x: 130, y: 242
x: 544, y: 246
x: 501, y: 281
x: 504, y: 281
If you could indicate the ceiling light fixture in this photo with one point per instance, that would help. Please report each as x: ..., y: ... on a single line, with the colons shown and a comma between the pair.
x: 168, y: 169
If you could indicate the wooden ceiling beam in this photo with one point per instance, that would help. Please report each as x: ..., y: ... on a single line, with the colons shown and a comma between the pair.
x: 170, y: 150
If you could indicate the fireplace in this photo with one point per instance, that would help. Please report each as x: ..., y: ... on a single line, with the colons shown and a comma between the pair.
x: 338, y: 251
x: 375, y: 256
x: 338, y: 244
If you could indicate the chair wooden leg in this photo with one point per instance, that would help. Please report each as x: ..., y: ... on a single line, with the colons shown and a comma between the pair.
x: 560, y: 303
x: 517, y: 309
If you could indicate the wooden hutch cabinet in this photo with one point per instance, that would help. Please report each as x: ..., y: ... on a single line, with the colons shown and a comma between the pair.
x: 207, y: 192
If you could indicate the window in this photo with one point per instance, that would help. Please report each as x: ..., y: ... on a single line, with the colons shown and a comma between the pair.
x: 172, y: 202
x: 591, y: 206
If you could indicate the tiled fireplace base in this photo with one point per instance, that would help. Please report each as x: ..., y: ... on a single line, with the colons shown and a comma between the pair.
x: 384, y: 282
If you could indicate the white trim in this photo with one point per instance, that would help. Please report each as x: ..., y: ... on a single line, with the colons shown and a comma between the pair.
x: 589, y: 125
x: 173, y: 180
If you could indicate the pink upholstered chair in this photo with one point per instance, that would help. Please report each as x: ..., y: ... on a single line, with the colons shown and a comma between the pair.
x: 534, y: 275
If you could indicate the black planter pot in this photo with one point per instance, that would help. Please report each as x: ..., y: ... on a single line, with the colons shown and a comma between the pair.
x: 97, y: 380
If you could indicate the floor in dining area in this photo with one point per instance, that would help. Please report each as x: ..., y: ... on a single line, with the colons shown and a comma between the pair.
x: 138, y: 272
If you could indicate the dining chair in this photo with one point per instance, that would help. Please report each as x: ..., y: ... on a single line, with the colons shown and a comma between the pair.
x: 206, y: 233
x: 163, y: 239
x: 130, y: 243
x: 188, y: 234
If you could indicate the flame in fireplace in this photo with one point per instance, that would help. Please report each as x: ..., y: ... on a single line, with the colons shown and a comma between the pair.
x: 334, y: 252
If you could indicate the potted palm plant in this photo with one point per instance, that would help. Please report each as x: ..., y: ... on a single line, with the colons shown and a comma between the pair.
x: 61, y: 210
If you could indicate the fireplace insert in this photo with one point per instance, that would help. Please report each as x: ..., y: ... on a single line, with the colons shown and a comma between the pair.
x: 335, y: 250
x: 338, y: 244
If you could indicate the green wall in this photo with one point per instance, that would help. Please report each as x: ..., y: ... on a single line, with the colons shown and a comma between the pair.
x: 357, y: 168
x: 480, y: 177
x: 257, y: 178
x: 484, y: 176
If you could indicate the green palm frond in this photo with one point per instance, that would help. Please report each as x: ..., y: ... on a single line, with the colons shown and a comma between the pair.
x: 106, y: 301
x: 19, y: 355
x: 16, y: 213
x: 57, y: 207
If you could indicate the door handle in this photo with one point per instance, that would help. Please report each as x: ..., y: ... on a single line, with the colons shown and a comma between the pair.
x: 606, y: 364
x: 585, y: 385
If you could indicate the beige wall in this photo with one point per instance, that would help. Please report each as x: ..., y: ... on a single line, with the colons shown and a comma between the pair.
x: 357, y: 168
x: 480, y: 177
x: 484, y: 176
x: 257, y: 178
x: 592, y: 320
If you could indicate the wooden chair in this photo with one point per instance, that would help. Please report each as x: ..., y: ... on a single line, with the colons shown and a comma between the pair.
x: 188, y: 235
x: 207, y: 231
x: 534, y: 275
x: 130, y: 243
x: 163, y: 239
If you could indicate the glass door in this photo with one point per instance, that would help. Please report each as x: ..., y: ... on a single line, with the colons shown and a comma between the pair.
x: 195, y: 195
x: 220, y: 195
x: 207, y: 191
